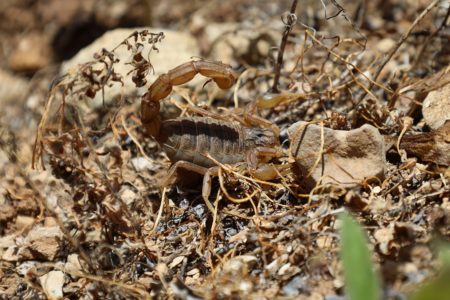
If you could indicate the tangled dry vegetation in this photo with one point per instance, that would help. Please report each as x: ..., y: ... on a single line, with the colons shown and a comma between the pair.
x: 91, y: 220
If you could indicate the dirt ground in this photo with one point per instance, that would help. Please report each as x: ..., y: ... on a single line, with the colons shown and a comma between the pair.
x: 83, y: 214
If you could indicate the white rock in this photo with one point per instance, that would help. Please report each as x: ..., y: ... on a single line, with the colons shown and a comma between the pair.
x: 43, y: 243
x: 239, y: 263
x: 348, y: 158
x: 12, y: 87
x: 141, y: 164
x: 7, y: 241
x: 230, y: 40
x: 73, y: 266
x: 52, y: 283
x: 385, y: 45
x: 25, y: 267
x: 436, y: 107
x: 176, y: 48
x: 11, y: 254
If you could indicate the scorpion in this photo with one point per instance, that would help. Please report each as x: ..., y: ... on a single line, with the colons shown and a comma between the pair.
x: 198, y: 143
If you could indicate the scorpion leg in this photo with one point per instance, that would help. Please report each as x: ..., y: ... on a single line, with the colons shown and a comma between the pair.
x: 208, y: 174
x: 251, y: 118
x: 206, y: 187
x: 171, y: 174
x: 267, y: 101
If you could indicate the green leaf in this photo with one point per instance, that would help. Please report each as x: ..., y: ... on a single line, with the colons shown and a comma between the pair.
x: 439, y: 287
x: 444, y: 255
x: 361, y: 280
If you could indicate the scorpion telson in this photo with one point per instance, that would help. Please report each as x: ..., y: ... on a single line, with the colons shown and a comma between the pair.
x: 190, y: 141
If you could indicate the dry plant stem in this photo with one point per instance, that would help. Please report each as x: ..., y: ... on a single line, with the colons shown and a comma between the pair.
x: 44, y: 205
x: 320, y: 153
x: 104, y: 172
x: 107, y: 281
x: 277, y: 67
x: 160, y: 211
x: 336, y: 55
x: 37, y: 147
x: 237, y: 174
x: 214, y: 222
x: 231, y: 198
x: 135, y: 140
x: 344, y: 14
x: 407, y: 125
x: 429, y: 38
x: 397, y: 46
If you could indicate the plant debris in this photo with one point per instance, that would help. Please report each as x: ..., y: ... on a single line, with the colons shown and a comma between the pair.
x: 82, y: 210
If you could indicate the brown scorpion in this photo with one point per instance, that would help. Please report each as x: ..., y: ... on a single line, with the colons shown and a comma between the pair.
x: 191, y: 142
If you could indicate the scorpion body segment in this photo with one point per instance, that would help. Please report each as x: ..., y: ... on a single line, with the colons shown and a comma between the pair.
x: 191, y: 139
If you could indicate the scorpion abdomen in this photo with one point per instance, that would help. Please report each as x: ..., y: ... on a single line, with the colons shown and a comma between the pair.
x: 192, y: 138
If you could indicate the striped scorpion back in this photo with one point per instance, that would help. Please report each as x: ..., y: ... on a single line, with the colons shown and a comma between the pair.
x: 191, y: 138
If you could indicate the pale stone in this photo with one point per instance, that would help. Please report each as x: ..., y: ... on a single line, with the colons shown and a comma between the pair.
x: 175, y: 49
x: 52, y: 284
x: 73, y: 266
x: 348, y: 157
x: 43, y: 243
x: 12, y: 87
x: 32, y: 53
x: 385, y: 45
x: 436, y: 107
x: 230, y: 40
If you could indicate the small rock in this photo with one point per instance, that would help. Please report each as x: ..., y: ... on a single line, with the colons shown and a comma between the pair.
x: 348, y: 158
x: 52, y: 283
x: 436, y: 107
x: 240, y: 263
x: 229, y: 40
x: 276, y: 264
x: 385, y: 45
x: 12, y: 88
x: 26, y: 267
x: 31, y: 54
x: 7, y: 241
x: 385, y: 238
x: 176, y: 48
x: 128, y: 196
x: 141, y: 164
x: 295, y: 286
x: 24, y: 221
x: 73, y: 266
x: 431, y: 146
x: 11, y: 254
x: 7, y: 212
x: 42, y: 243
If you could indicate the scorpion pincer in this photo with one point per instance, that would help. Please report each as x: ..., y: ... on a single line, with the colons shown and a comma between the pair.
x: 189, y: 142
